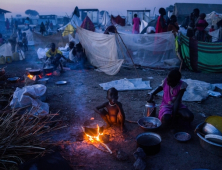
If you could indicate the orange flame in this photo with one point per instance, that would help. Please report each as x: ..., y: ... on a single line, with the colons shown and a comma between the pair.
x: 48, y: 74
x: 92, y: 118
x: 30, y: 76
x: 40, y: 76
x: 95, y: 138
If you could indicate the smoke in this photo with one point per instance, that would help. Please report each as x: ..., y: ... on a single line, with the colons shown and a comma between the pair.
x: 31, y: 12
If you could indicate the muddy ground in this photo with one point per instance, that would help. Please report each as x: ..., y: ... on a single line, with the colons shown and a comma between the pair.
x: 76, y: 100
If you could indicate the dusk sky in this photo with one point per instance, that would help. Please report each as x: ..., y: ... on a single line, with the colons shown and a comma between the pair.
x: 63, y: 7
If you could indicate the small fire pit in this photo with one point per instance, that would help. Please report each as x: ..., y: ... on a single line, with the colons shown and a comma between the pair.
x: 94, y: 131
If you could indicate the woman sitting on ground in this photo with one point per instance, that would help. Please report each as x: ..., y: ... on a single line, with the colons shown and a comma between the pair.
x: 171, y: 107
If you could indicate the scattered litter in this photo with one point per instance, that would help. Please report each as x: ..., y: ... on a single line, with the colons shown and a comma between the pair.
x: 127, y: 84
x: 31, y: 95
x: 218, y: 85
x: 213, y: 93
x: 203, y: 115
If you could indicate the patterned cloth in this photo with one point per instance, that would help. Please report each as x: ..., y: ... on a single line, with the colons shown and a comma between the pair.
x: 88, y: 25
x: 169, y: 97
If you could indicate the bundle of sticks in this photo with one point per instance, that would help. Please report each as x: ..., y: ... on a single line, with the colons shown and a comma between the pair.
x: 22, y: 136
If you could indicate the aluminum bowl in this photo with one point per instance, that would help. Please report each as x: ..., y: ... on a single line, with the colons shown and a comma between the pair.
x: 210, y: 129
x: 185, y: 134
x: 211, y: 147
x: 153, y: 120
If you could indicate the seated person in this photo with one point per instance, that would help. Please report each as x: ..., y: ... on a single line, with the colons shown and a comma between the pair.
x: 173, y: 25
x: 112, y: 112
x: 171, y: 106
x: 55, y: 55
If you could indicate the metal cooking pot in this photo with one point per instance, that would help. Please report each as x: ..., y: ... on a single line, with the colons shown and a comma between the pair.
x: 48, y: 69
x: 149, y: 142
x: 34, y: 72
x: 90, y: 127
x: 150, y: 109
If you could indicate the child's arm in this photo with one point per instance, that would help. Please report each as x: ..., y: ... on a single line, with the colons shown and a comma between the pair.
x: 157, y: 90
x: 97, y: 109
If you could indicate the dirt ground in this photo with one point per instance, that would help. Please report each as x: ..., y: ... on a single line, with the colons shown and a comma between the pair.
x: 76, y: 100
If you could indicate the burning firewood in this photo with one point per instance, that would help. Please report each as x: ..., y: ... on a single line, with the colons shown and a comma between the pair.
x: 21, y: 136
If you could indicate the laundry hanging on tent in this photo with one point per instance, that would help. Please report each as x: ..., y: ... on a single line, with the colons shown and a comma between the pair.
x: 87, y: 24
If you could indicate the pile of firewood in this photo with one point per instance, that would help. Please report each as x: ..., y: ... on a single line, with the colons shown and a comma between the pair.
x: 23, y: 136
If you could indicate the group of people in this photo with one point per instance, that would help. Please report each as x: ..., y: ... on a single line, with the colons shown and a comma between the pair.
x: 171, y: 109
x: 47, y: 27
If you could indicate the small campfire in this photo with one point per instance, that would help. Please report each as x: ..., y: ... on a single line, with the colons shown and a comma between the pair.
x: 94, y: 132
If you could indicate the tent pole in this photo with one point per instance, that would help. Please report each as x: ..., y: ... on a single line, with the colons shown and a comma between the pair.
x: 120, y: 47
x: 128, y: 54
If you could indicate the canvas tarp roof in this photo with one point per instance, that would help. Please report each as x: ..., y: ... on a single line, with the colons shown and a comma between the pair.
x: 75, y: 21
x: 88, y: 24
x: 101, y: 50
x: 143, y: 25
x: 184, y: 9
x: 118, y: 20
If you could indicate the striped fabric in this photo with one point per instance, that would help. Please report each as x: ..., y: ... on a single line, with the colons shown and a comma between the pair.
x: 201, y: 56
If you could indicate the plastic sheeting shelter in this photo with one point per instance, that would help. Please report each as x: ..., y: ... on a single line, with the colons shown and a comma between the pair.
x: 68, y: 30
x: 106, y: 21
x: 143, y: 25
x: 101, y: 51
x: 118, y: 20
x: 87, y: 24
x: 75, y: 21
x: 93, y: 14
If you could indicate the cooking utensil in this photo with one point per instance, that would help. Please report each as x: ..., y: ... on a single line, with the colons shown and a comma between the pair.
x: 155, y: 121
x: 212, y: 147
x: 91, y: 127
x: 61, y: 82
x: 216, y: 121
x: 210, y: 129
x: 13, y: 79
x: 34, y: 72
x: 149, y: 142
x: 214, y: 138
x: 182, y: 136
x: 150, y: 109
x: 43, y: 80
x: 48, y: 69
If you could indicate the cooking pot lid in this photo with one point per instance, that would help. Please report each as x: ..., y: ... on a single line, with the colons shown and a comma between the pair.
x: 214, y: 138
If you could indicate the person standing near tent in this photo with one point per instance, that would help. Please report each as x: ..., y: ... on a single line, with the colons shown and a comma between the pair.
x: 72, y: 52
x: 201, y: 24
x: 136, y: 24
x: 7, y: 24
x: 173, y: 25
x: 42, y: 28
x: 161, y: 25
x: 192, y: 21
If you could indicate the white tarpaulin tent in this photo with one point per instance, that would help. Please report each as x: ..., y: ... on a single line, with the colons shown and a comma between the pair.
x: 75, y: 22
x: 106, y: 19
x: 143, y: 25
x: 101, y: 50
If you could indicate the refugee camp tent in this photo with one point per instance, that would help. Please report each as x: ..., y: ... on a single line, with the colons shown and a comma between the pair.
x: 93, y: 14
x: 143, y: 25
x: 201, y: 56
x: 2, y: 20
x: 70, y: 27
x: 118, y: 20
x: 182, y: 10
x: 101, y: 50
x: 142, y: 14
x: 87, y: 24
x: 106, y: 21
